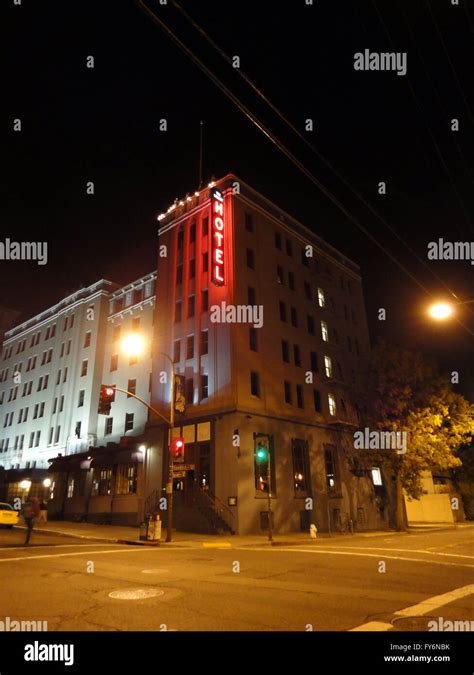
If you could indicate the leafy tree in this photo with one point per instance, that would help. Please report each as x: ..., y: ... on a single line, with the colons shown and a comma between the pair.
x: 404, y: 392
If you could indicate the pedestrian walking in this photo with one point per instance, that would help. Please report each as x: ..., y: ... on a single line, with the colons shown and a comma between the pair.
x: 43, y: 514
x: 28, y: 516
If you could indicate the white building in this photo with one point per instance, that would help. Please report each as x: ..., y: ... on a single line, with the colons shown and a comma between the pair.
x: 52, y: 368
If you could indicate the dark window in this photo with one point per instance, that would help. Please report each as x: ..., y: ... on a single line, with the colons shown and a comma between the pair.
x: 280, y: 275
x: 83, y: 368
x: 192, y: 268
x: 291, y: 281
x: 177, y: 351
x: 177, y: 311
x: 253, y: 345
x: 278, y: 240
x: 314, y: 362
x: 113, y: 362
x: 180, y: 240
x: 307, y: 291
x: 254, y: 384
x: 190, y: 347
x: 128, y: 422
x: 248, y: 222
x: 297, y: 355
x: 251, y: 297
x: 190, y: 306
x: 250, y: 259
x: 87, y: 342
x: 179, y: 275
x: 204, y: 342
x: 204, y: 386
x: 294, y: 318
x: 317, y: 400
x: 137, y: 295
x: 299, y: 396
x: 205, y: 300
x: 109, y: 421
x: 304, y: 258
x: 189, y: 391
x: 301, y: 477
x: 289, y: 248
x: 287, y: 386
x: 132, y: 387
x: 192, y: 233
x: 205, y: 226
x: 80, y: 402
x: 205, y: 261
x: 282, y: 311
x: 310, y: 321
x: 285, y: 351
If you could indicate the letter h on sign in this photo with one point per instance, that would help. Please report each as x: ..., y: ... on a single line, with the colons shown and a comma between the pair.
x: 218, y: 234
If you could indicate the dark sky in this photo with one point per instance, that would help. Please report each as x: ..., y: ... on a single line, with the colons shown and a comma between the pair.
x: 101, y: 125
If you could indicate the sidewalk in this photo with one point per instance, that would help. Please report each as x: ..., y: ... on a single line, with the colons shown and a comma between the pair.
x: 130, y: 535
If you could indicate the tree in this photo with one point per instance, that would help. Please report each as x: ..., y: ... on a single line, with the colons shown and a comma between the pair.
x: 405, y: 393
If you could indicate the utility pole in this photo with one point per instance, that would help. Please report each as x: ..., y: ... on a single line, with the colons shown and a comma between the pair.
x: 269, y: 483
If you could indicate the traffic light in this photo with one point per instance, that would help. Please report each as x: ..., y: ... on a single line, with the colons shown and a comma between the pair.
x: 106, y: 398
x: 177, y: 449
x: 262, y: 453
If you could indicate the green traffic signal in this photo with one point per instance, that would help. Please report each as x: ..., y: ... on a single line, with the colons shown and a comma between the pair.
x: 262, y: 454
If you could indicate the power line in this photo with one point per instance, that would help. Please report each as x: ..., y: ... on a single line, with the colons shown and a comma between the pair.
x: 281, y: 146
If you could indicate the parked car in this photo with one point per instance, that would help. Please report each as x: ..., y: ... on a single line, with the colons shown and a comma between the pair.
x: 8, y: 516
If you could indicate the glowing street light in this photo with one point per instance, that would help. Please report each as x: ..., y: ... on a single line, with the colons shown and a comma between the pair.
x: 25, y: 484
x: 441, y: 311
x: 47, y: 482
x: 133, y: 344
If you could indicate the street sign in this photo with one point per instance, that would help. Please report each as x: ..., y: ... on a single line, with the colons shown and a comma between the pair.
x: 182, y: 468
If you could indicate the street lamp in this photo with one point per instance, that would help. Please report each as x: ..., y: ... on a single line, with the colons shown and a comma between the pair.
x: 441, y: 310
x: 133, y: 345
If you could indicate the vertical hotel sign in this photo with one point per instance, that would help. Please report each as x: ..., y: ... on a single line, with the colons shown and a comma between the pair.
x: 218, y: 237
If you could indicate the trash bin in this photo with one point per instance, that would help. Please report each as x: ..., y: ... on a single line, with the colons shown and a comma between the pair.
x: 154, y: 528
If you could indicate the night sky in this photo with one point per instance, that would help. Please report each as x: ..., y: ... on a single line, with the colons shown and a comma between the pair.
x: 102, y: 125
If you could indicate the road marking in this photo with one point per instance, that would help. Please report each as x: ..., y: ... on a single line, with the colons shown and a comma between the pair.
x: 410, y: 550
x: 67, y: 555
x: 424, y: 607
x: 223, y: 544
x: 33, y: 547
x: 436, y: 602
x: 362, y: 555
x: 372, y: 626
x: 136, y: 594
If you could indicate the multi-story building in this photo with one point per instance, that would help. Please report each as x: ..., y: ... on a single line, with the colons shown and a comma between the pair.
x: 52, y: 369
x: 266, y: 322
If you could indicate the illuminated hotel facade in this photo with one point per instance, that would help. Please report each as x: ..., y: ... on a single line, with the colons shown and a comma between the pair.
x: 266, y: 322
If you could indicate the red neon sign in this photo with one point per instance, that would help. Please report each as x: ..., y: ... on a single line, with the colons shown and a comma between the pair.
x: 217, y: 220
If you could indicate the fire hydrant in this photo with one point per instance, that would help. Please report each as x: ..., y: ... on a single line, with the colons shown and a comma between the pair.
x: 313, y: 531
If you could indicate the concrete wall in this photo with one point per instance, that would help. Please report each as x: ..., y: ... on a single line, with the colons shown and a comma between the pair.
x: 431, y: 508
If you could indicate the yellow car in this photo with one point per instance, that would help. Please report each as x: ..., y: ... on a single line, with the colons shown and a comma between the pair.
x: 8, y: 516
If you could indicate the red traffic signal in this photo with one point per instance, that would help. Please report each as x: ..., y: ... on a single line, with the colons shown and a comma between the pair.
x: 106, y: 398
x: 177, y: 449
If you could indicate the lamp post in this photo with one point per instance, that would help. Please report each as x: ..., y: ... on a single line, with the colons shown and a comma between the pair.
x: 444, y: 310
x: 133, y: 345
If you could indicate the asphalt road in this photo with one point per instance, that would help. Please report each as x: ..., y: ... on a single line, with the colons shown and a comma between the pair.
x: 339, y: 584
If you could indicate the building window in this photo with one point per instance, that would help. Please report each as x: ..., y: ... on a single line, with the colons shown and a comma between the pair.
x: 205, y: 226
x: 192, y: 268
x: 129, y: 422
x: 294, y: 318
x: 189, y: 391
x: 84, y: 368
x: 191, y: 306
x: 321, y: 298
x: 205, y: 262
x: 109, y: 421
x: 205, y: 300
x: 176, y: 351
x: 324, y: 331
x: 126, y: 479
x: 332, y: 477
x: 131, y: 387
x: 376, y: 475
x: 314, y: 362
x: 102, y: 485
x: 80, y: 402
x: 253, y: 345
x: 248, y: 222
x: 287, y: 387
x: 289, y: 248
x: 61, y: 404
x: 301, y: 477
x: 77, y: 430
x: 87, y: 339
x: 192, y: 233
x: 299, y: 396
x: 50, y: 437
x: 317, y: 400
x: 328, y: 366
x: 255, y: 384
x: 57, y: 434
x: 204, y: 342
x: 250, y: 259
x: 304, y: 257
x: 285, y: 351
x: 251, y: 296
x: 280, y: 275
x: 291, y: 281
x: 297, y: 355
x: 180, y: 240
x: 282, y: 311
x: 310, y: 324
x: 204, y: 387
x: 278, y: 240
x: 190, y: 347
x: 179, y: 274
x: 332, y: 404
x: 116, y: 334
x: 113, y: 362
x: 177, y: 311
x: 307, y: 291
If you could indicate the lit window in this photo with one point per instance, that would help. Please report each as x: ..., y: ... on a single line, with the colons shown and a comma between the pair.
x: 324, y: 331
x: 376, y: 475
x: 332, y: 404
x: 321, y: 298
x: 328, y: 366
